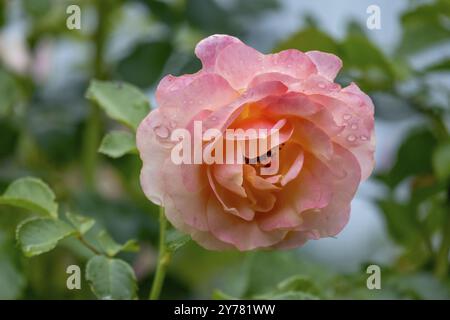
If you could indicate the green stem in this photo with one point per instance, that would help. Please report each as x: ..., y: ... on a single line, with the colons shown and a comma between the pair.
x: 91, y: 135
x: 88, y: 245
x: 441, y: 268
x: 91, y: 139
x: 163, y: 258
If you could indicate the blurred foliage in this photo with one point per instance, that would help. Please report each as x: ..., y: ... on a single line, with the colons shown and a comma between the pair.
x: 47, y: 125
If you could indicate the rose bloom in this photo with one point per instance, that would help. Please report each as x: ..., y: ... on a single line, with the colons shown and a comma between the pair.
x: 326, y: 136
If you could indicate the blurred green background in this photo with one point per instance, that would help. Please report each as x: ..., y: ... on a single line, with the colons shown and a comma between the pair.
x: 48, y: 129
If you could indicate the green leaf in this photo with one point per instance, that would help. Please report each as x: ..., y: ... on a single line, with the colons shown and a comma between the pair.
x: 11, y: 280
x: 144, y: 65
x: 293, y: 295
x: 309, y: 39
x: 31, y: 194
x: 39, y: 235
x: 424, y: 26
x: 118, y: 143
x: 122, y: 102
x: 111, y: 278
x: 82, y: 223
x: 400, y: 221
x: 441, y: 161
x: 443, y: 65
x: 10, y: 91
x: 367, y: 61
x: 10, y: 134
x: 409, y: 162
x: 294, y: 288
x: 111, y: 247
x: 298, y: 283
x: 176, y: 239
x: 220, y: 295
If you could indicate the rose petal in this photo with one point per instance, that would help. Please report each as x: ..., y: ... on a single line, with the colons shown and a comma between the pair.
x: 310, y: 190
x: 330, y: 220
x: 231, y: 203
x: 244, y: 235
x: 291, y: 62
x: 203, y: 91
x: 291, y: 162
x: 223, y: 117
x: 190, y: 203
x: 208, y: 49
x: 328, y: 65
x: 239, y: 63
x: 153, y: 154
x: 231, y: 177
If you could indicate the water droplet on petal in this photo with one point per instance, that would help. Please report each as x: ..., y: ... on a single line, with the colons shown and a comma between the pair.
x: 354, y: 126
x: 213, y: 118
x: 351, y: 138
x: 363, y: 138
x: 172, y: 124
x: 347, y: 116
x: 321, y: 85
x: 161, y: 132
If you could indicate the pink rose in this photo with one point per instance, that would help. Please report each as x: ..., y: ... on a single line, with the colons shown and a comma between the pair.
x: 326, y: 147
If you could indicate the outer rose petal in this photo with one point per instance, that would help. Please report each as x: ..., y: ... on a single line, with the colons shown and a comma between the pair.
x: 203, y: 91
x: 327, y: 64
x: 331, y: 219
x: 205, y: 238
x: 223, y: 117
x: 244, y: 235
x: 153, y: 154
x: 238, y: 64
x: 310, y: 190
x: 291, y: 62
x: 353, y: 110
x: 191, y: 204
x: 208, y: 49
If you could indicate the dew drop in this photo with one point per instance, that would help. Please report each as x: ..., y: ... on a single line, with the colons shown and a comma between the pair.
x: 347, y: 116
x: 172, y: 124
x: 351, y: 138
x: 161, y: 132
x: 321, y: 85
x: 354, y: 126
x: 363, y: 138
